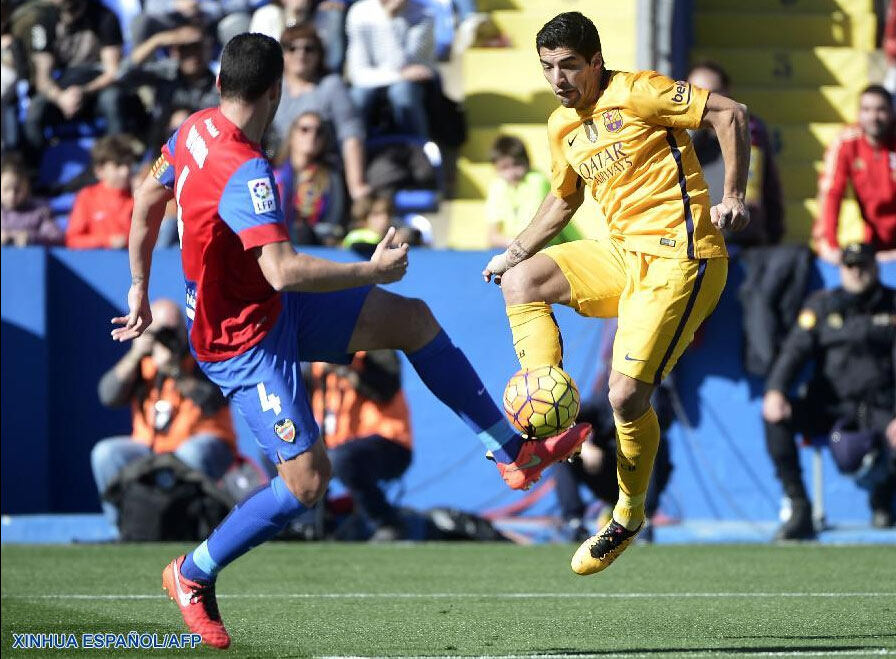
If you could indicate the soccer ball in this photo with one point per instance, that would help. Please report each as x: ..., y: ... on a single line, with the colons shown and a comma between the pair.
x: 541, y: 402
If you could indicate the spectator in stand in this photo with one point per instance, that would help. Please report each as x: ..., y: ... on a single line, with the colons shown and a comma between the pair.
x: 863, y: 156
x: 75, y: 57
x: 13, y: 61
x: 173, y: 406
x: 308, y: 88
x: 101, y: 216
x: 391, y: 54
x: 225, y: 18
x: 850, y: 334
x: 183, y: 79
x: 372, y: 218
x: 515, y: 195
x: 25, y: 220
x: 366, y: 425
x: 328, y: 18
x: 764, y: 197
x: 313, y: 192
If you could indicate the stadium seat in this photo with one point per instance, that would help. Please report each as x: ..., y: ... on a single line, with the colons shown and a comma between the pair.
x: 414, y: 200
x: 61, y: 205
x: 63, y: 161
x: 443, y: 13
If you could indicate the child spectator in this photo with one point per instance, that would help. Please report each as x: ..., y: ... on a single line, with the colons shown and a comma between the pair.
x: 101, y: 216
x: 25, y: 221
x: 516, y: 194
x: 372, y: 219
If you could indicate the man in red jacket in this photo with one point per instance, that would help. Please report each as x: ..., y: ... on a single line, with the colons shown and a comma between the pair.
x: 864, y: 156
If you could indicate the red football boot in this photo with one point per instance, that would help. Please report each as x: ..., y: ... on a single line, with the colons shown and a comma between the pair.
x: 537, y: 455
x: 197, y: 605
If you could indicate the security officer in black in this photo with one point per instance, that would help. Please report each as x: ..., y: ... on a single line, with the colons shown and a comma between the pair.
x: 850, y: 334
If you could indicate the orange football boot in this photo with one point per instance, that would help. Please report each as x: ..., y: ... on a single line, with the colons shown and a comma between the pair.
x: 197, y: 605
x: 537, y: 455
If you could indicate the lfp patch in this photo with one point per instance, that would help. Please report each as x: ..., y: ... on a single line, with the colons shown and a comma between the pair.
x: 262, y: 192
x: 286, y: 430
x: 613, y: 120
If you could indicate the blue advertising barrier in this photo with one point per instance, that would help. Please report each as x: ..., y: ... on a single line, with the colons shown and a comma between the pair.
x: 57, y: 306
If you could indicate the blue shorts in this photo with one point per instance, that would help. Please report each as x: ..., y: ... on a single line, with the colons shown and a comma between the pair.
x: 265, y: 382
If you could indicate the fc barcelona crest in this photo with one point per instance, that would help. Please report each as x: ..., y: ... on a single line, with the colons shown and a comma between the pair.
x: 612, y: 120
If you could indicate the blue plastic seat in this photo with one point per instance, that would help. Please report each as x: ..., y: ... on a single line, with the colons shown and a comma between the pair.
x: 63, y: 161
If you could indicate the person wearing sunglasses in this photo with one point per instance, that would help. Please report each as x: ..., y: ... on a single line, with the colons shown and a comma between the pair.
x: 307, y: 87
x: 313, y: 191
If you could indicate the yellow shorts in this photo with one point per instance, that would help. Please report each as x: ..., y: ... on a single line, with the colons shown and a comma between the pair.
x: 660, y: 301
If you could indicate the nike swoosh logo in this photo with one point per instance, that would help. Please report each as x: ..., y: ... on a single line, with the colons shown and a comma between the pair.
x: 534, y: 461
x: 182, y: 597
x: 632, y: 359
x: 569, y: 142
x: 480, y: 392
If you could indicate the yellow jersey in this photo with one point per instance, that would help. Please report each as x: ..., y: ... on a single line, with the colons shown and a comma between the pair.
x: 633, y: 151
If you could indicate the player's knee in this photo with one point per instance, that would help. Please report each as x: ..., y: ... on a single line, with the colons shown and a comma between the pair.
x: 419, y: 324
x: 628, y: 401
x: 309, y: 486
x: 518, y: 283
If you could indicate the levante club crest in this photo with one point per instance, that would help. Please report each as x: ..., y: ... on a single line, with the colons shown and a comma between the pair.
x: 286, y: 430
x: 613, y: 120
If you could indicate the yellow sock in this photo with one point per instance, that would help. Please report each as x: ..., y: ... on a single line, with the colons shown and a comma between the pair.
x: 536, y: 335
x: 636, y: 445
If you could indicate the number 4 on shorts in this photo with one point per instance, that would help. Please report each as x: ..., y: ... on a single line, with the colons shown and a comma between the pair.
x: 268, y: 401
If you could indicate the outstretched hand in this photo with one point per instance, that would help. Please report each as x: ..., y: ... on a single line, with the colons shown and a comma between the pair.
x: 139, y: 316
x: 731, y: 213
x: 389, y: 263
x: 498, y: 265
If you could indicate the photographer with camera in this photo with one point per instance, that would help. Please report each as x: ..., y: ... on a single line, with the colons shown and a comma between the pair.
x: 175, y: 409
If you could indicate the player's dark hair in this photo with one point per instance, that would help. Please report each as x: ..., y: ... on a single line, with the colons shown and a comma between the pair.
x: 250, y: 65
x: 713, y: 67
x: 118, y: 149
x: 508, y: 146
x: 881, y: 91
x: 571, y: 30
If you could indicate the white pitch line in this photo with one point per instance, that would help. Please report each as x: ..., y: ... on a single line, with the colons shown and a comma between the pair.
x: 146, y: 596
x: 864, y: 652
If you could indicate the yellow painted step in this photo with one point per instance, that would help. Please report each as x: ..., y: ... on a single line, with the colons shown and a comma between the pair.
x: 730, y: 29
x: 616, y: 26
x: 801, y: 214
x: 534, y: 136
x: 848, y: 67
x: 803, y: 141
x: 795, y: 6
x: 799, y: 178
x: 553, y: 7
x: 826, y: 104
x: 473, y: 178
x: 467, y: 228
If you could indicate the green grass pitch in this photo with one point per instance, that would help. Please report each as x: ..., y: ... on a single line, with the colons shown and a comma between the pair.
x: 301, y: 600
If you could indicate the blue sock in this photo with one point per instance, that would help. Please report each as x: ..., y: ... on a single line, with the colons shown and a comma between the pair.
x: 254, y: 521
x: 444, y: 368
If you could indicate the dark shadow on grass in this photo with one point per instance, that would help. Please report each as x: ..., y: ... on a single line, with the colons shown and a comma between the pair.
x: 814, y: 637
